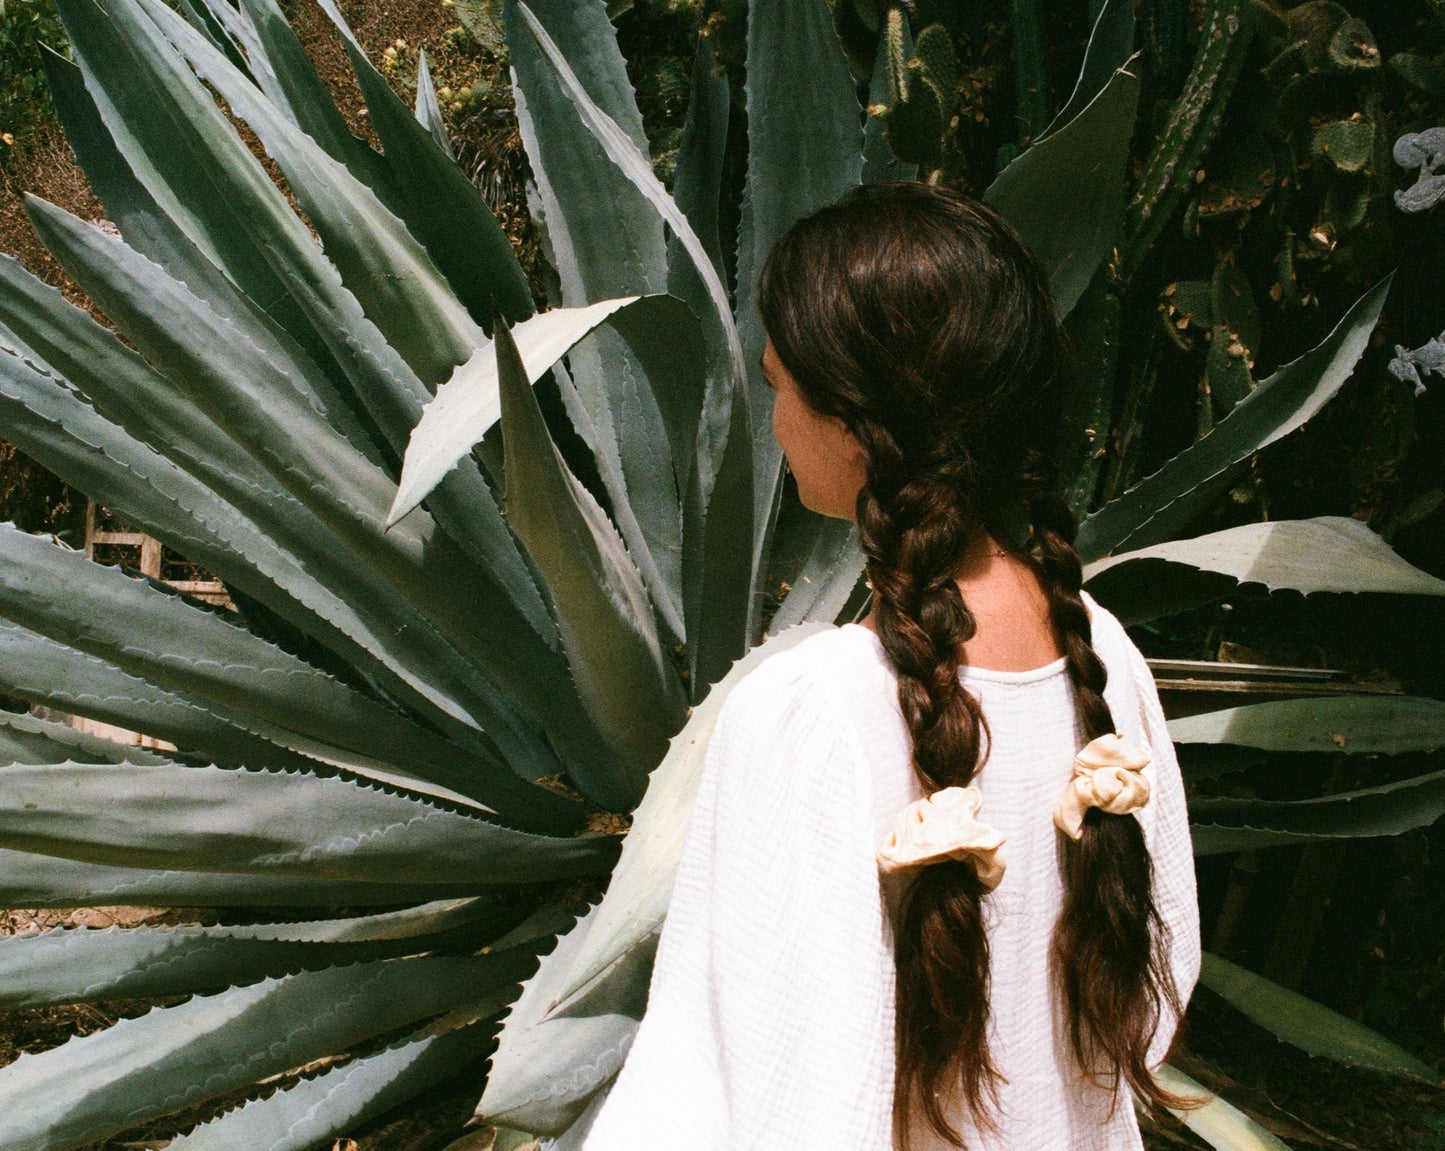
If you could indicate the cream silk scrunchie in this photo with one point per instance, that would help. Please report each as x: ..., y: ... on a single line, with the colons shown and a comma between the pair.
x: 942, y: 826
x: 1108, y: 773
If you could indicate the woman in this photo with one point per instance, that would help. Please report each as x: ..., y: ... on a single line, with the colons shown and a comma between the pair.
x: 938, y: 888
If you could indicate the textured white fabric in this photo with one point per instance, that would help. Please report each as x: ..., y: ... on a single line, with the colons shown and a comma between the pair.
x: 770, y: 1022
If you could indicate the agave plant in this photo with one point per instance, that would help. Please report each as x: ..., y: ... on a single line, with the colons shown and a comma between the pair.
x: 454, y: 663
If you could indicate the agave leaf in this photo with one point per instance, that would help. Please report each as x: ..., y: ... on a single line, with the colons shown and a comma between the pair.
x: 344, y: 1097
x: 440, y: 205
x: 32, y: 880
x: 429, y: 116
x: 380, y: 262
x: 417, y: 576
x: 469, y: 404
x: 41, y: 671
x: 630, y: 157
x: 625, y: 680
x: 399, y: 284
x: 606, y: 239
x: 212, y: 819
x: 144, y: 1068
x: 826, y: 581
x: 716, y: 526
x: 44, y: 416
x: 1155, y: 509
x: 622, y: 416
x: 1325, y: 554
x: 1111, y: 43
x: 805, y: 150
x: 205, y: 21
x: 28, y: 739
x: 575, y: 1136
x: 290, y: 81
x: 1358, y: 724
x: 153, y: 633
x: 717, y: 556
x: 1222, y: 1125
x: 77, y: 964
x: 641, y: 886
x: 548, y: 1066
x: 1221, y: 825
x: 699, y: 175
x: 149, y: 230
x: 1071, y: 233
x: 1308, y: 1025
x: 152, y: 134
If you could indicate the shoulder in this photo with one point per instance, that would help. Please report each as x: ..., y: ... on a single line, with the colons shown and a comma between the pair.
x: 822, y: 681
x: 829, y: 668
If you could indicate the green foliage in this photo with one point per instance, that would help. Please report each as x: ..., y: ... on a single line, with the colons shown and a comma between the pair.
x: 24, y: 98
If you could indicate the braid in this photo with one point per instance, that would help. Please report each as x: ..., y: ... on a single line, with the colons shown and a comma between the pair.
x: 1110, y: 943
x: 914, y: 534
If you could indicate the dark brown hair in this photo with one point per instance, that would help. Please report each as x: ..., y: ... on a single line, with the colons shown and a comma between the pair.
x: 918, y: 317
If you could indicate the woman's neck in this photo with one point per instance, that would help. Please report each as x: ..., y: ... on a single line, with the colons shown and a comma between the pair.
x: 1014, y: 628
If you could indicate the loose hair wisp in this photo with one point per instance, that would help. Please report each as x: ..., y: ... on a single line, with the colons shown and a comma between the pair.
x: 918, y: 317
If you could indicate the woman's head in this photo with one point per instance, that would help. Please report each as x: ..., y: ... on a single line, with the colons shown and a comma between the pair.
x: 920, y: 370
x: 916, y: 318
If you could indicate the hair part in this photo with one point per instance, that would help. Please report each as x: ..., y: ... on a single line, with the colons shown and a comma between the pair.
x: 918, y: 317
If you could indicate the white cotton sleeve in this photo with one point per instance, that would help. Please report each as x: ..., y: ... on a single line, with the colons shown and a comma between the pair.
x: 770, y: 1017
x: 1166, y: 832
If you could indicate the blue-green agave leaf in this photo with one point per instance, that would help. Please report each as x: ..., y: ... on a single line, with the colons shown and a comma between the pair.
x: 78, y: 964
x: 285, y: 73
x: 157, y: 139
x: 1356, y: 724
x: 429, y: 115
x: 1310, y: 1026
x: 717, y: 551
x: 607, y: 241
x: 28, y: 879
x: 1221, y: 825
x: 418, y: 575
x: 41, y: 671
x: 148, y: 230
x: 344, y: 1097
x: 827, y: 579
x: 400, y: 286
x: 29, y: 739
x: 698, y: 178
x: 549, y: 1066
x: 805, y: 150
x: 151, y: 632
x: 1325, y: 554
x: 44, y: 416
x: 625, y: 680
x: 141, y: 1069
x: 175, y: 817
x: 438, y: 202
x: 622, y: 414
x: 1071, y: 233
x: 1158, y: 507
x: 1111, y: 43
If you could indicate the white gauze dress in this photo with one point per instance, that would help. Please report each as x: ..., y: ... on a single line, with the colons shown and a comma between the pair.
x: 770, y: 1023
